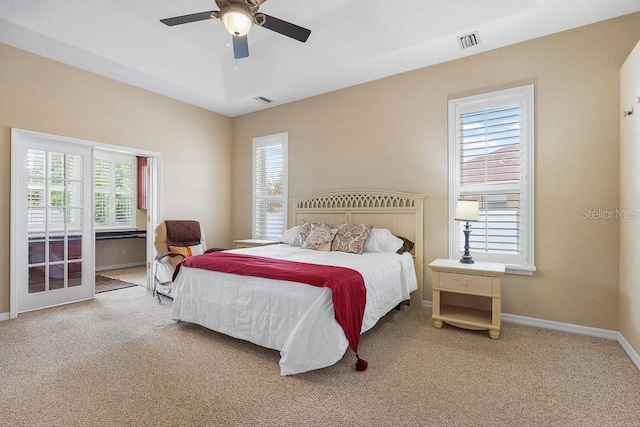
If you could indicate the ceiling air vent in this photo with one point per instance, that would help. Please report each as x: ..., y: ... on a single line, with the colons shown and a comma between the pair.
x: 263, y: 100
x: 469, y: 40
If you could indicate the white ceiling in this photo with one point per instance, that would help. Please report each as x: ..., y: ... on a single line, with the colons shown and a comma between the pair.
x: 351, y: 42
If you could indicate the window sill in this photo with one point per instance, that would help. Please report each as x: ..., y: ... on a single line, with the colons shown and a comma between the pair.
x: 522, y: 270
x: 111, y: 235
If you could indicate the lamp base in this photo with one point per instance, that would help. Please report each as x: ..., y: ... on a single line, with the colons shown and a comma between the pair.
x: 467, y: 260
x: 466, y: 257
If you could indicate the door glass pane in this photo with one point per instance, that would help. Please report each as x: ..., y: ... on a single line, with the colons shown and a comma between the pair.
x: 57, y: 168
x: 35, y: 163
x: 56, y: 219
x: 35, y: 192
x: 56, y: 249
x: 74, y: 194
x: 74, y: 247
x: 74, y: 167
x: 36, y: 250
x: 36, y: 279
x: 74, y: 221
x: 56, y: 276
x: 75, y: 274
x: 57, y: 197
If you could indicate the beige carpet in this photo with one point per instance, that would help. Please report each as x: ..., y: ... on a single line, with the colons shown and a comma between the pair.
x: 118, y: 360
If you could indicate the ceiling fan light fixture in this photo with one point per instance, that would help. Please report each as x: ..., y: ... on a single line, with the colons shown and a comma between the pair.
x: 259, y: 19
x: 236, y: 20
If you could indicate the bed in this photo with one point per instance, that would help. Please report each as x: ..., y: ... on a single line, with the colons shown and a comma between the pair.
x: 297, y: 319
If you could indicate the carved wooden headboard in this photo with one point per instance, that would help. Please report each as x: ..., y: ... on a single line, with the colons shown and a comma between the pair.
x: 401, y: 213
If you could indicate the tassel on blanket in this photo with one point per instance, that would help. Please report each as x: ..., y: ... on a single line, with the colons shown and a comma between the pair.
x: 361, y: 364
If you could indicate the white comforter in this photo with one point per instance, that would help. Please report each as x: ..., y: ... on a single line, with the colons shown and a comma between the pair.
x: 295, y: 318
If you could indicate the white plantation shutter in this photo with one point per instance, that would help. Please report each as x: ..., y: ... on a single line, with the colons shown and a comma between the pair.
x: 489, y: 156
x: 270, y: 186
x: 491, y: 150
x: 114, y: 191
x: 125, y: 191
x: 102, y: 190
x: 36, y: 169
x: 498, y: 227
x: 53, y: 190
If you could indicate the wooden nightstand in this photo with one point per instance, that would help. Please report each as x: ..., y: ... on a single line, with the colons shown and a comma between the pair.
x: 252, y: 243
x: 472, y: 293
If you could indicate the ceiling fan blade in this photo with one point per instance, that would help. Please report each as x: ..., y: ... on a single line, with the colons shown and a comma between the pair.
x: 286, y: 28
x: 185, y: 19
x: 240, y: 47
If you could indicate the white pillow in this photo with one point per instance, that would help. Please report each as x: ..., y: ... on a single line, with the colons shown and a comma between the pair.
x: 289, y: 236
x: 382, y: 240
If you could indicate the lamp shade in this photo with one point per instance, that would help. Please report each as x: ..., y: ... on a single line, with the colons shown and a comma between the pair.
x: 467, y: 210
x: 236, y: 20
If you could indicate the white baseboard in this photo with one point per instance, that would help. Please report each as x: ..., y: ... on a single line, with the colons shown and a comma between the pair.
x: 117, y: 266
x: 568, y: 327
x: 629, y: 350
x: 4, y: 316
x: 560, y: 326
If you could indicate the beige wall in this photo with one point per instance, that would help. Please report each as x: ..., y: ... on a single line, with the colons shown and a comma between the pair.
x: 392, y: 134
x: 119, y: 252
x: 46, y: 96
x: 630, y: 200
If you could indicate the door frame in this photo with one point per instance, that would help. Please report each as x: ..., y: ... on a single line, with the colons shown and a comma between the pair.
x: 153, y: 203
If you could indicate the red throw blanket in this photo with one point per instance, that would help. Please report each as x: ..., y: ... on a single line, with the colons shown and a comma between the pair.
x: 347, y: 286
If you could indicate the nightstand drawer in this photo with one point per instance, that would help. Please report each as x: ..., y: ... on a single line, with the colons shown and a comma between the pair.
x: 465, y: 282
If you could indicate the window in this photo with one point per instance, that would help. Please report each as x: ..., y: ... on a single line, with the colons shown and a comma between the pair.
x: 269, y: 186
x: 114, y: 191
x: 491, y: 161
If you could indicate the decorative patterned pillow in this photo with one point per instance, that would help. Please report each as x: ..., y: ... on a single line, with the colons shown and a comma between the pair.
x: 319, y: 238
x: 351, y: 238
x: 187, y: 251
x: 305, y: 229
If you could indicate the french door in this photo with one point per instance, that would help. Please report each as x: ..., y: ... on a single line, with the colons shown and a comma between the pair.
x: 53, y: 235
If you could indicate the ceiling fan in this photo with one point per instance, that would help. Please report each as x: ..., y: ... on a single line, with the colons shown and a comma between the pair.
x: 238, y: 16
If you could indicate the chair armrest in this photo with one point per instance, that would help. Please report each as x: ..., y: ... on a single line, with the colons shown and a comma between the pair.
x: 214, y: 250
x: 163, y: 257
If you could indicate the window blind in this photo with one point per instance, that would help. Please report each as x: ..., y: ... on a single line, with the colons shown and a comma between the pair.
x: 490, y: 146
x: 489, y: 165
x: 498, y: 226
x: 269, y: 191
x: 36, y: 167
x: 114, y: 191
x: 102, y: 190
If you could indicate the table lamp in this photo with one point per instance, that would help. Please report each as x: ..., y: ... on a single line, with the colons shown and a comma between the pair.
x: 467, y: 210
